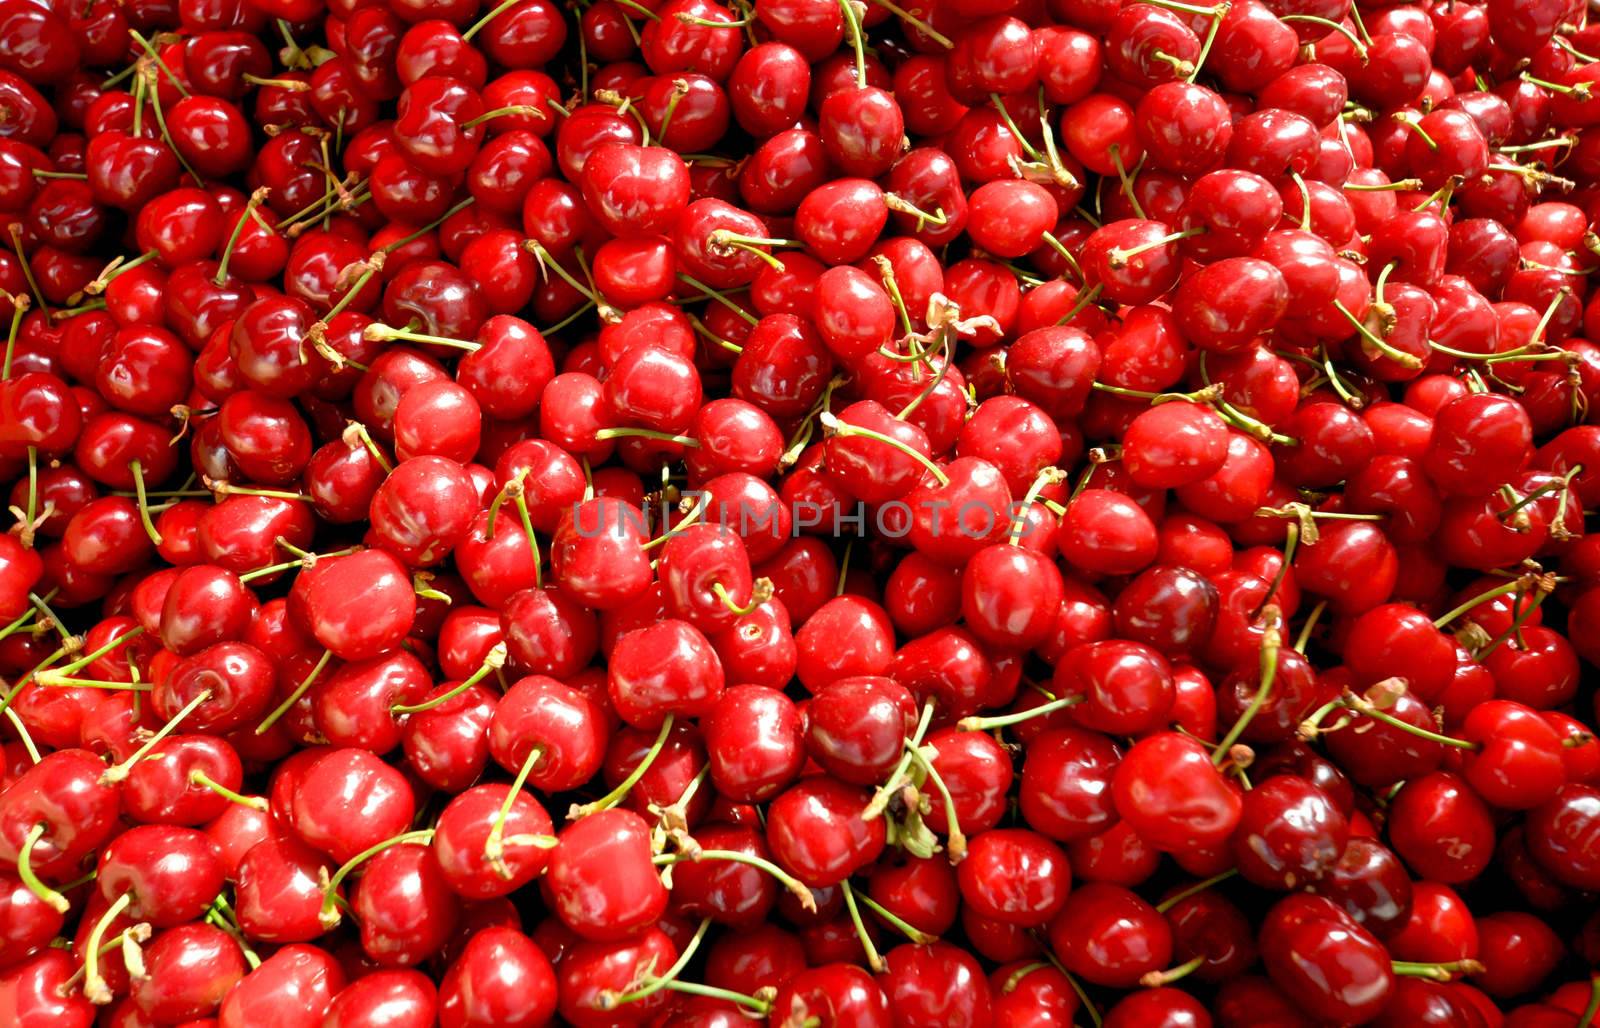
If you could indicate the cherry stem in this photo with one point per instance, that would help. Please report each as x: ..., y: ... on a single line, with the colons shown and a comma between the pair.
x: 161, y: 123
x: 1589, y: 1012
x: 1184, y: 69
x: 1532, y: 174
x: 1383, y: 346
x: 836, y: 427
x: 618, y: 794
x: 355, y: 432
x: 494, y: 846
x: 144, y: 44
x: 33, y: 286
x: 1219, y: 12
x: 117, y: 772
x: 369, y: 268
x: 16, y: 626
x: 53, y: 678
x: 378, y: 333
x: 1383, y: 187
x: 42, y: 604
x: 946, y: 342
x: 694, y: 515
x: 1183, y: 8
x: 1072, y: 979
x: 430, y: 226
x: 1046, y: 477
x: 220, y: 915
x: 30, y: 523
x: 920, y: 25
x: 852, y: 21
x: 287, y: 85
x: 493, y: 661
x: 120, y: 641
x: 680, y: 87
x: 1194, y: 890
x: 144, y: 503
x: 30, y: 678
x: 1515, y: 628
x: 956, y: 840
x: 711, y: 337
x: 1483, y: 597
x: 1005, y: 115
x: 54, y: 899
x: 1581, y: 90
x: 874, y: 959
x: 513, y: 485
x: 19, y: 307
x: 257, y: 198
x: 1363, y: 705
x: 639, y: 9
x: 1291, y: 542
x: 527, y: 110
x: 482, y: 22
x: 1156, y: 979
x: 1408, y: 119
x: 221, y: 488
x: 1084, y: 298
x: 1562, y: 295
x: 654, y: 983
x: 1125, y: 179
x: 1332, y: 26
x: 901, y: 205
x: 521, y: 500
x: 627, y: 432
x: 885, y: 792
x: 1532, y: 497
x: 329, y: 915
x: 1436, y: 972
x: 1207, y: 394
x: 205, y: 781
x: 801, y: 892
x: 131, y: 935
x: 294, y: 697
x: 116, y: 266
x: 760, y: 592
x: 1311, y: 622
x: 94, y: 987
x: 1118, y: 257
x: 916, y: 935
x: 984, y: 724
x: 22, y: 729
x: 720, y: 297
x: 1271, y: 640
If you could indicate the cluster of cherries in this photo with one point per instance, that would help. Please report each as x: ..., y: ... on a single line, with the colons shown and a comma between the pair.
x: 906, y: 514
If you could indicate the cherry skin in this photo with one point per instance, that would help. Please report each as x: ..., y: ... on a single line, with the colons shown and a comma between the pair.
x: 501, y: 977
x: 1174, y: 809
x: 1110, y: 936
x: 610, y: 899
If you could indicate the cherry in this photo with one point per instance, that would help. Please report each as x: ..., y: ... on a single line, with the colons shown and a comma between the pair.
x: 1559, y: 834
x: 297, y: 983
x: 1167, y: 789
x: 1321, y: 958
x: 332, y: 785
x: 279, y: 891
x: 1110, y: 936
x: 397, y: 997
x: 191, y: 969
x: 501, y: 977
x: 404, y: 906
x: 815, y: 831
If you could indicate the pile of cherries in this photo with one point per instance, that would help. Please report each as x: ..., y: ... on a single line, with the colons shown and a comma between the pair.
x: 904, y: 514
